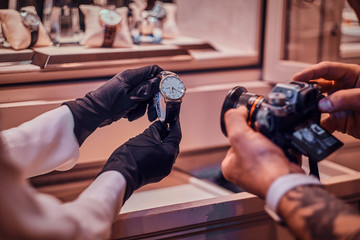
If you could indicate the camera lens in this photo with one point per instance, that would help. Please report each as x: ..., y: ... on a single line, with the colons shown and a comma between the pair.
x: 240, y: 96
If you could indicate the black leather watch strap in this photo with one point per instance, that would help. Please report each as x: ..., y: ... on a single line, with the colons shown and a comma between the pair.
x: 109, y: 36
x: 34, y: 37
x: 172, y: 111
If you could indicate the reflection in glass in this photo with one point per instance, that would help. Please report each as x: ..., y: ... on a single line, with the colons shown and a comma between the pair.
x: 350, y: 40
x: 312, y: 30
x: 319, y: 30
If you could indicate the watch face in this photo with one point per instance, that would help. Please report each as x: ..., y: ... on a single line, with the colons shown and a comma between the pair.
x: 172, y: 87
x: 109, y: 17
x: 30, y: 19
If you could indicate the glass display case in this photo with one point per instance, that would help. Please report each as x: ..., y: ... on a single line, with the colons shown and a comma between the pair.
x: 300, y: 33
x: 209, y: 63
x: 234, y: 41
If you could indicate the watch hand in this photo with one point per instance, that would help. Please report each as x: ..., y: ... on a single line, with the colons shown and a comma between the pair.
x: 176, y: 90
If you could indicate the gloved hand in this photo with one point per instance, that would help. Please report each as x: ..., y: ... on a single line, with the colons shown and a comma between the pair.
x: 146, y: 158
x: 125, y: 95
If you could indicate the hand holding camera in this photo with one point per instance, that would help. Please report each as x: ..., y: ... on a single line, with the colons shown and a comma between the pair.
x: 288, y: 116
x: 253, y: 162
x: 342, y: 83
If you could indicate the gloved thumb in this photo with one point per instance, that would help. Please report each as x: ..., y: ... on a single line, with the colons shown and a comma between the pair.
x: 341, y: 100
x: 152, y: 115
x: 174, y: 133
x: 157, y: 131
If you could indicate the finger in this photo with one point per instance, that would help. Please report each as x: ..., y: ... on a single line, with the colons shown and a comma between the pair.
x: 171, y: 142
x: 156, y: 131
x: 135, y: 76
x: 138, y: 112
x: 152, y: 115
x: 344, y: 75
x: 235, y: 120
x: 326, y: 70
x: 227, y: 167
x: 342, y: 100
x: 328, y: 124
x: 174, y: 135
x: 247, y: 143
x: 335, y: 122
x: 239, y: 132
x: 145, y: 90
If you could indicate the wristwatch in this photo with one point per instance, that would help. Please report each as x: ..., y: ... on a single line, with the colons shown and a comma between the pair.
x: 158, y: 11
x: 110, y: 19
x: 168, y: 99
x: 31, y: 22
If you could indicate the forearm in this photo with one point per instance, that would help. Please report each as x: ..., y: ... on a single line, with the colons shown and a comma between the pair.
x: 310, y: 212
x: 43, y: 144
x: 98, y: 206
x: 25, y: 214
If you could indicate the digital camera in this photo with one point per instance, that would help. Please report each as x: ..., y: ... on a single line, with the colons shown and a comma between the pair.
x: 288, y: 116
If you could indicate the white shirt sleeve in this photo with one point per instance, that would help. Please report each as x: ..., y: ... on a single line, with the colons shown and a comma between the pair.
x: 43, y: 144
x: 98, y: 206
x: 39, y: 146
x: 27, y: 214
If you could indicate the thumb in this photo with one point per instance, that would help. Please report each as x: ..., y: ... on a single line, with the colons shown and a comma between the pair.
x: 157, y: 131
x: 174, y: 135
x: 342, y: 100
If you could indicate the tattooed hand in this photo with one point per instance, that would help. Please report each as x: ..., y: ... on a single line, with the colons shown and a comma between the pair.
x: 254, y: 162
x: 310, y: 212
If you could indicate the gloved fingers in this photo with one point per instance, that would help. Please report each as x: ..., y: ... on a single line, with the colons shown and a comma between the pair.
x: 134, y: 77
x: 122, y: 108
x: 174, y: 133
x: 152, y: 115
x: 145, y: 90
x: 158, y: 129
x: 138, y: 112
x: 151, y: 136
x: 171, y: 142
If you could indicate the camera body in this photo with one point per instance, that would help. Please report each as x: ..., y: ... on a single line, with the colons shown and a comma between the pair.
x: 288, y: 116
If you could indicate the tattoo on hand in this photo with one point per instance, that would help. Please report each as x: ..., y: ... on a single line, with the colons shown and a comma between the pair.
x: 312, y: 213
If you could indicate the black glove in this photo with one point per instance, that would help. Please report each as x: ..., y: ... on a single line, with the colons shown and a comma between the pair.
x: 146, y: 158
x: 125, y: 95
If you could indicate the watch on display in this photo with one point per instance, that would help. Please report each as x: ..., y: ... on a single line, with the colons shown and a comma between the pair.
x: 168, y: 100
x: 31, y: 22
x: 158, y: 11
x: 110, y: 19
